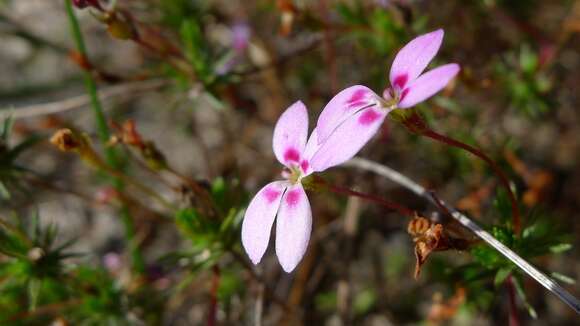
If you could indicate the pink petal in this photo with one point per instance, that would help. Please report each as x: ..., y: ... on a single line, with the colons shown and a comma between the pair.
x: 341, y: 107
x: 413, y: 58
x: 293, y: 227
x: 259, y: 218
x: 290, y: 134
x: 427, y: 85
x: 312, y: 147
x: 348, y: 139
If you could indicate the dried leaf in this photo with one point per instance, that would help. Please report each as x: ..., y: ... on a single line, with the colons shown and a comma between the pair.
x: 427, y: 237
x: 442, y: 311
x: 538, y: 181
x: 473, y: 201
x: 287, y: 15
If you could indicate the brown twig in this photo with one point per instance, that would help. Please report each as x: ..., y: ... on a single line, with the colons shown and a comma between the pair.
x: 48, y: 309
x: 213, y: 303
x: 77, y: 102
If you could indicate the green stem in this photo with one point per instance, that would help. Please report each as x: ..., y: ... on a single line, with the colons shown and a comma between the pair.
x: 104, y: 135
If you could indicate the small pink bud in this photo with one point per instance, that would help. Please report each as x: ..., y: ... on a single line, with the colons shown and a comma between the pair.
x: 112, y: 262
x: 105, y: 196
x: 81, y: 4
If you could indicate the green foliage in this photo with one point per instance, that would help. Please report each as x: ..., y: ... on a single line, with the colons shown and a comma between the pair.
x: 541, y: 236
x: 526, y: 85
x: 10, y: 170
x: 35, y: 275
x: 33, y: 269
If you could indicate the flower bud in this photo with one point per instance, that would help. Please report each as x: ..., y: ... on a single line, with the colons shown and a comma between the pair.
x: 154, y: 158
x: 120, y: 27
x: 81, y: 4
x: 35, y: 254
x: 66, y: 140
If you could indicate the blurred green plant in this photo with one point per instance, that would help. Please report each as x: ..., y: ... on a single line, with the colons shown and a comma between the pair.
x: 526, y: 86
x: 38, y: 284
x: 10, y: 170
x: 541, y: 237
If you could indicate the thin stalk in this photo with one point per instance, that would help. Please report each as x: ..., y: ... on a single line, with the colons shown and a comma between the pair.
x: 416, y: 124
x: 514, y: 319
x: 368, y: 197
x: 213, y: 304
x: 498, y: 171
x: 104, y: 135
x: 140, y: 186
x: 413, y: 186
x: 269, y: 292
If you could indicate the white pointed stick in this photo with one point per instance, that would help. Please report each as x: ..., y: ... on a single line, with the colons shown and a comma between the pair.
x: 404, y: 181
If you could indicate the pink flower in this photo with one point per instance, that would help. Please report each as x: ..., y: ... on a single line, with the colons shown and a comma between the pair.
x: 355, y: 114
x: 286, y: 198
x: 241, y: 34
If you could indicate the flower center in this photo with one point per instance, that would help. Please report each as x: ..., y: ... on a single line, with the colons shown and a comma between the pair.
x: 293, y: 174
x: 391, y: 98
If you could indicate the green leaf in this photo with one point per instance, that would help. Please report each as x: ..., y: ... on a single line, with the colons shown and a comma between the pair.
x: 528, y: 60
x: 18, y: 149
x: 34, y: 287
x: 364, y: 301
x: 4, y: 192
x: 564, y: 278
x: 196, y: 48
x: 6, y: 128
x: 501, y: 276
x: 559, y: 248
x: 520, y: 291
x: 230, y: 284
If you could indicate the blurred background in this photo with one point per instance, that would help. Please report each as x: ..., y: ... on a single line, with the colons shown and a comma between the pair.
x: 136, y: 219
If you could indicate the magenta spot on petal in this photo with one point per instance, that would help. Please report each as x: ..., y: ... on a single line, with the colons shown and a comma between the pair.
x: 291, y: 155
x: 304, y: 165
x: 357, y: 98
x: 368, y: 117
x: 293, y: 197
x: 271, y: 194
x: 403, y: 94
x: 400, y: 81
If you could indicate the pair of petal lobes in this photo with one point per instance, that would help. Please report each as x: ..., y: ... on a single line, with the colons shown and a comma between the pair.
x: 427, y: 85
x: 414, y: 57
x: 293, y: 225
x: 406, y: 78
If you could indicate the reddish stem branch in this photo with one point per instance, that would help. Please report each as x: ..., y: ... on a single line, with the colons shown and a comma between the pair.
x: 213, y: 304
x: 417, y: 125
x: 502, y: 177
x: 514, y: 320
x: 376, y: 199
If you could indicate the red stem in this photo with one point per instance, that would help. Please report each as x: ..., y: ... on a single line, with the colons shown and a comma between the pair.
x: 503, y: 178
x: 514, y: 320
x: 417, y: 125
x: 212, y: 316
x: 376, y: 199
